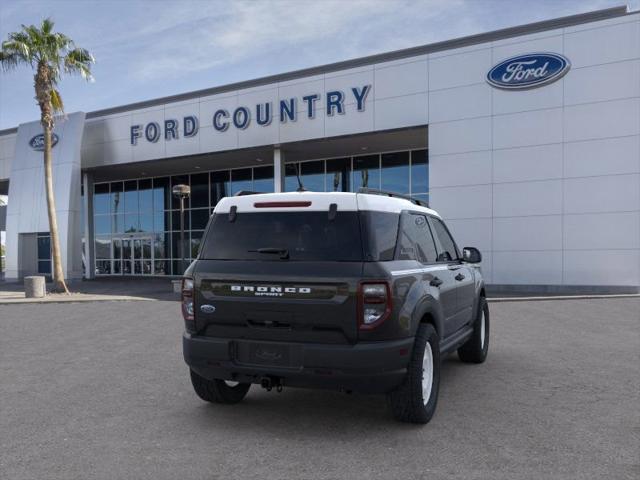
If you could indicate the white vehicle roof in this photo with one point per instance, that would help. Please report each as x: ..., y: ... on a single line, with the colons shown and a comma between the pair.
x: 318, y: 201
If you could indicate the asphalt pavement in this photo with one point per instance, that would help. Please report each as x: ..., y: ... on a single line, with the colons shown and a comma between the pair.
x: 100, y: 391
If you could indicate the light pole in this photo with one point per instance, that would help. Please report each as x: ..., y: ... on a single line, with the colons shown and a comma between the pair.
x: 182, y: 192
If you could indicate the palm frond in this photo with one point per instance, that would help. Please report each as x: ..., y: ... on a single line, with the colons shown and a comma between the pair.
x: 56, y: 101
x: 79, y: 61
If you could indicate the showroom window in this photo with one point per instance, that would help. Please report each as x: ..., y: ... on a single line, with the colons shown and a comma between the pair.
x: 137, y: 222
x: 405, y: 172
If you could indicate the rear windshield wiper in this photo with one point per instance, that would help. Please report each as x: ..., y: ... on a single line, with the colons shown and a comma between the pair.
x: 283, y: 252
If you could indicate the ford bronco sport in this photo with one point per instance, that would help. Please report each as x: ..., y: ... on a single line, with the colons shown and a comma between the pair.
x: 357, y: 292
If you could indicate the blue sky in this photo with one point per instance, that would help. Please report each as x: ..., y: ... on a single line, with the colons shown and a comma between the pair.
x: 149, y: 49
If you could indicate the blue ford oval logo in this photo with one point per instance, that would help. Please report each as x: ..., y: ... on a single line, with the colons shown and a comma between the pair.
x: 207, y: 308
x: 528, y: 71
x: 37, y: 142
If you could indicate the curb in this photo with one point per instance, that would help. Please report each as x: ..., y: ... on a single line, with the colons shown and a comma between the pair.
x: 560, y: 297
x: 45, y: 300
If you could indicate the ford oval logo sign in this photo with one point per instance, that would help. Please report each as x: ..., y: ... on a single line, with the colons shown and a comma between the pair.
x: 37, y: 142
x: 528, y: 71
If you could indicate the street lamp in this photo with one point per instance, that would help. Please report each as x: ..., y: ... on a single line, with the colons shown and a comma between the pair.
x: 182, y: 192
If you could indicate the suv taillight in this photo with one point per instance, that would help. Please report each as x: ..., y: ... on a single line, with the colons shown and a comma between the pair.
x: 374, y: 304
x: 187, y: 302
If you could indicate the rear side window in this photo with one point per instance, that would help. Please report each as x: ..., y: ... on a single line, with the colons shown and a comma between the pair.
x: 379, y: 231
x: 307, y: 236
x: 416, y: 241
x: 448, y: 250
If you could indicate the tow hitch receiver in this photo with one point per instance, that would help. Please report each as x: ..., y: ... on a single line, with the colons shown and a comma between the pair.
x: 268, y: 383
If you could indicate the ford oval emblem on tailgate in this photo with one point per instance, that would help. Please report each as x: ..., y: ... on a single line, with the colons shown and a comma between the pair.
x: 207, y: 308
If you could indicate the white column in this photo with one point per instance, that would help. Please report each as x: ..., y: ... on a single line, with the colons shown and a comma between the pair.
x: 278, y: 170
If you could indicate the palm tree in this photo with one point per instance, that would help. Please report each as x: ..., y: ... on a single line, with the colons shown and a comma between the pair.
x: 49, y: 54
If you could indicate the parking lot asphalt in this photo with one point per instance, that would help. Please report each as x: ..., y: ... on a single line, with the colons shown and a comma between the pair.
x: 100, y: 391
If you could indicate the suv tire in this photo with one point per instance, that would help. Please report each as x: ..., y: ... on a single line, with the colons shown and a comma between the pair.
x: 408, y: 402
x: 218, y: 391
x: 476, y: 348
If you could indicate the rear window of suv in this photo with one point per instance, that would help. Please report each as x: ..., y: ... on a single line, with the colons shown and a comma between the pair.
x: 301, y: 236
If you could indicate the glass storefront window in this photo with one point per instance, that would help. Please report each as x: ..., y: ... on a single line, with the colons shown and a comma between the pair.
x: 131, y: 203
x: 366, y: 172
x: 103, y: 247
x: 102, y: 224
x: 117, y: 198
x: 290, y: 177
x: 395, y: 172
x: 161, y: 222
x: 199, y: 218
x: 145, y: 195
x: 338, y: 175
x: 220, y: 186
x: 146, y: 222
x: 312, y: 174
x: 419, y: 172
x: 161, y: 194
x: 175, y: 220
x: 101, y: 199
x: 241, y: 179
x: 263, y: 179
x: 200, y: 190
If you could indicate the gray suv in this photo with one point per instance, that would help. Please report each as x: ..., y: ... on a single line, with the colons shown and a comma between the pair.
x: 357, y: 292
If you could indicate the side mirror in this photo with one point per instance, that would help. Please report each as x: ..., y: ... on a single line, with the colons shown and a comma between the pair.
x: 471, y: 255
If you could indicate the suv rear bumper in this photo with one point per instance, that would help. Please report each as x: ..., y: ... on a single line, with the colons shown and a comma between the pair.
x: 371, y: 367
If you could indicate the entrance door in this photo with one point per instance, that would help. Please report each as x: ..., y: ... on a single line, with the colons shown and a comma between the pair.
x: 134, y: 254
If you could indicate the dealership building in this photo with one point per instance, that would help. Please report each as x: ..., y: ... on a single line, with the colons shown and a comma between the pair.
x: 526, y: 140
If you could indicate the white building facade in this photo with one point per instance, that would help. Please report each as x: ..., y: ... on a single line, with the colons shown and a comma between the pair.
x: 526, y: 140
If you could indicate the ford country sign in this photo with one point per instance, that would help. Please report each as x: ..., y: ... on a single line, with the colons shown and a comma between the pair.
x: 528, y: 71
x: 37, y: 142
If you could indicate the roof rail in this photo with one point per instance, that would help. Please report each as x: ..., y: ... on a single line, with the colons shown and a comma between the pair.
x: 384, y: 193
x: 242, y: 193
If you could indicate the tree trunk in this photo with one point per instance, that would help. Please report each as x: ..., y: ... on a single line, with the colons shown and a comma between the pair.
x: 59, y: 284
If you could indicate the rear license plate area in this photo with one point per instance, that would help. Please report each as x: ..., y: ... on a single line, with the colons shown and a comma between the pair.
x: 267, y: 354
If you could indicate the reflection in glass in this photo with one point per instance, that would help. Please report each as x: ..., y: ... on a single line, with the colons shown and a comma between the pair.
x: 263, y: 179
x: 395, y: 172
x: 200, y: 190
x: 313, y: 175
x: 145, y: 195
x: 219, y: 186
x: 366, y: 172
x: 161, y: 267
x: 126, y: 248
x: 117, y: 248
x: 175, y: 220
x: 117, y: 198
x: 241, y: 180
x: 131, y: 222
x: 161, y: 194
x: 160, y: 222
x: 101, y: 198
x: 419, y: 171
x: 44, y: 267
x: 44, y: 247
x: 291, y: 177
x: 103, y: 267
x: 146, y: 222
x: 338, y: 175
x: 102, y: 224
x: 117, y: 267
x: 160, y: 241
x: 199, y: 218
x: 117, y: 223
x: 126, y: 267
x: 103, y: 247
x: 131, y: 203
x: 196, y: 239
